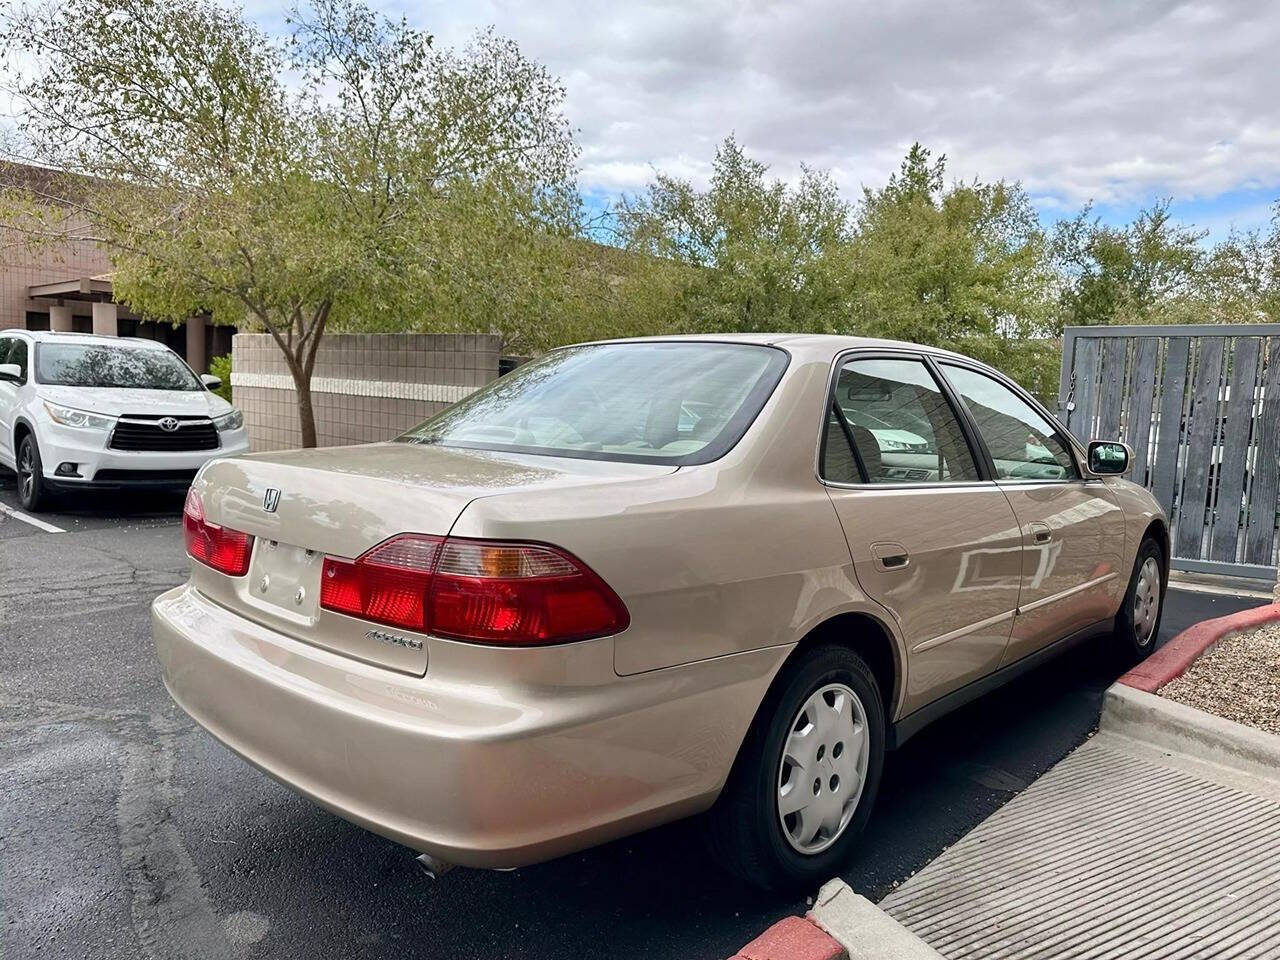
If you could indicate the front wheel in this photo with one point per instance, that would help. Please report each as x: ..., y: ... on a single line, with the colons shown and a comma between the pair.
x: 33, y: 493
x: 807, y: 776
x: 1138, y: 622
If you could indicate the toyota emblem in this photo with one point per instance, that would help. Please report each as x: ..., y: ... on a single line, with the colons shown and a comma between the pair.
x: 168, y: 424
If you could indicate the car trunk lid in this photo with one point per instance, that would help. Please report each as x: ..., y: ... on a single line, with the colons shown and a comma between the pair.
x: 300, y: 505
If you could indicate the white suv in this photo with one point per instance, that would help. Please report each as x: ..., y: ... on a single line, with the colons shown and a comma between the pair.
x: 78, y: 411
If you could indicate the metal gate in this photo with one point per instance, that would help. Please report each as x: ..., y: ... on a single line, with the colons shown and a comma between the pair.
x: 1200, y: 405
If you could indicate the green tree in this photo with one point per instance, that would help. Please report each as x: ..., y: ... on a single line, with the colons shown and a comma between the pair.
x: 963, y: 266
x: 1240, y: 281
x: 1148, y: 271
x: 354, y: 177
x: 759, y: 253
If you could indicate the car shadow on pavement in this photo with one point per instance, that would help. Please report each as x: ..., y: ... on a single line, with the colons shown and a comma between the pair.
x: 101, y: 505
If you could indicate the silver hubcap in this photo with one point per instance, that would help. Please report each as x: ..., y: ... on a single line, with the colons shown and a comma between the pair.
x: 1146, y: 601
x: 26, y: 472
x: 823, y: 767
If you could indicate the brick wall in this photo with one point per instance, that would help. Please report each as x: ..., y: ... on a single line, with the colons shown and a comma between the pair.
x: 23, y: 265
x: 365, y: 387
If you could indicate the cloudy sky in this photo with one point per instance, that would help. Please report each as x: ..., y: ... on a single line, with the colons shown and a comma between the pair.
x: 1118, y: 101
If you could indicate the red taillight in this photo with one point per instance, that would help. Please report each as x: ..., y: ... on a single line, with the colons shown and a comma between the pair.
x: 227, y: 551
x: 509, y: 594
x: 389, y: 584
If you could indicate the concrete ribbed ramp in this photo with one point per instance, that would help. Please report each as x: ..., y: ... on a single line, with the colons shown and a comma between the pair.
x: 1117, y: 852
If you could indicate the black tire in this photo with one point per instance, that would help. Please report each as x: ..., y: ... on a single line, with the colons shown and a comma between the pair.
x: 33, y: 493
x: 1136, y: 634
x: 744, y: 830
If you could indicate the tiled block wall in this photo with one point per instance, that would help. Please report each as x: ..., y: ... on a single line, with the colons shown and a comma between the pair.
x: 365, y: 387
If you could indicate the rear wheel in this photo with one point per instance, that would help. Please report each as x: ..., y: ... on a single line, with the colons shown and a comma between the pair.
x: 806, y: 779
x: 33, y: 493
x: 1138, y: 622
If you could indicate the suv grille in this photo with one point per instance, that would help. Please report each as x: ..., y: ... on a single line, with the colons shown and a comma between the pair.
x: 143, y: 432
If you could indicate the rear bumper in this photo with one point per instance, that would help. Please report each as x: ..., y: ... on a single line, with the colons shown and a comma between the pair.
x: 486, y: 771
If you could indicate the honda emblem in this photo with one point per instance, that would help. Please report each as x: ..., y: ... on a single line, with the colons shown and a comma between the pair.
x: 271, y: 500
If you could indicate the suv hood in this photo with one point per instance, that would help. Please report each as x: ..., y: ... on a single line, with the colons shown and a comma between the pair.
x: 344, y: 500
x: 114, y: 401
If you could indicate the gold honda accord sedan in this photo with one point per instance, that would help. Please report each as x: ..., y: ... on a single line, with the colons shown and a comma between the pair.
x: 639, y: 580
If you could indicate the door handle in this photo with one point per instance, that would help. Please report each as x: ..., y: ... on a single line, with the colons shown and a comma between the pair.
x: 1040, y: 533
x: 890, y: 556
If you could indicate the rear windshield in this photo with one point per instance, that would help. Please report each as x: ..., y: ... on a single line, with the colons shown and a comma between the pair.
x: 100, y: 365
x: 660, y: 402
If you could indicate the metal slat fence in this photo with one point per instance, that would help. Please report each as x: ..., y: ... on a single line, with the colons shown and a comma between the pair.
x: 1200, y: 405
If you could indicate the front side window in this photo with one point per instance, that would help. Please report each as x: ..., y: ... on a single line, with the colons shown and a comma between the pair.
x: 1022, y: 443
x: 889, y: 422
x: 658, y: 402
x: 122, y: 367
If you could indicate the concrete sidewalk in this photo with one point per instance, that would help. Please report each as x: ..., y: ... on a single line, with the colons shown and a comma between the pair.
x: 1123, y: 850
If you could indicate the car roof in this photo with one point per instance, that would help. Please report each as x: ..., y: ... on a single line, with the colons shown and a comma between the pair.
x: 813, y: 344
x: 50, y: 336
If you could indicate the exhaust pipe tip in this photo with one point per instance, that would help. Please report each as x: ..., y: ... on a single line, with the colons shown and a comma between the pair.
x: 433, y: 867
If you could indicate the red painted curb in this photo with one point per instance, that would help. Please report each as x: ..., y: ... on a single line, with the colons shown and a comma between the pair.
x: 1171, y: 660
x: 792, y: 938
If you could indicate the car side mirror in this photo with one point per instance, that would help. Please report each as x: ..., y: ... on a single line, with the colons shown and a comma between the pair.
x: 11, y: 372
x: 210, y: 381
x: 1109, y: 457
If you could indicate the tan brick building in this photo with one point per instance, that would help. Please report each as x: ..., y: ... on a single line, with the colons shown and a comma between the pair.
x: 67, y: 286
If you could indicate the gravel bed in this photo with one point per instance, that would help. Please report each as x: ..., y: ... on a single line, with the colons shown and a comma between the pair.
x: 1240, y: 680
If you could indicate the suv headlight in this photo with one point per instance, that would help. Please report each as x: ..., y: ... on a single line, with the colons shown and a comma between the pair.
x: 70, y: 417
x: 229, y: 421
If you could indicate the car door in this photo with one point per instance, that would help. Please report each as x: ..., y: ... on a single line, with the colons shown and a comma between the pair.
x: 1072, y: 528
x: 8, y: 403
x: 933, y: 539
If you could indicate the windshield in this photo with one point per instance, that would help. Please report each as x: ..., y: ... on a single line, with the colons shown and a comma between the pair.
x: 102, y: 365
x: 652, y: 402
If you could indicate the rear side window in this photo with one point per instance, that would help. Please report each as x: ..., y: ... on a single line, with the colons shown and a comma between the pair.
x: 14, y: 350
x: 889, y: 422
x: 1022, y: 443
x: 656, y: 402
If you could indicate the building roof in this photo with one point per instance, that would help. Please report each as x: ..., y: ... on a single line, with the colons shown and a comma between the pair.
x: 82, y: 288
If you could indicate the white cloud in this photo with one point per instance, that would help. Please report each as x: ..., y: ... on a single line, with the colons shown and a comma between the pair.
x: 1116, y: 101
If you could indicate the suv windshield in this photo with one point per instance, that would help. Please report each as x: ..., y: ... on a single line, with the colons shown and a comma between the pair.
x: 100, y: 365
x: 654, y: 402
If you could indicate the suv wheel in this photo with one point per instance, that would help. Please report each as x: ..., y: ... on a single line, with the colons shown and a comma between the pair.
x: 1138, y: 622
x: 33, y: 494
x: 807, y: 776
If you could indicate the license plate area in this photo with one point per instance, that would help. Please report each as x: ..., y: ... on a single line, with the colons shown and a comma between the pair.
x: 285, y: 580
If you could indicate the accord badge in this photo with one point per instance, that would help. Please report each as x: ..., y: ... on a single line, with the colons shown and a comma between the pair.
x: 394, y: 639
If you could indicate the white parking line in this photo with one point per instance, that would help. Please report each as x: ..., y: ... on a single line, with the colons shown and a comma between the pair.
x: 27, y: 518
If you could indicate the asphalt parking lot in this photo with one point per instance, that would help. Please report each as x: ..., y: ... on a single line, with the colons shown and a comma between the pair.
x: 125, y: 831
